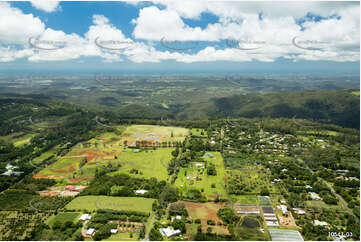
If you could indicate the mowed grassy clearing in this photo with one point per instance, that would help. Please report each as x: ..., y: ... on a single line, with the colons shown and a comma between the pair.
x: 245, y: 199
x: 187, y: 178
x: 63, y: 217
x: 63, y: 166
x: 93, y: 203
x: 150, y: 163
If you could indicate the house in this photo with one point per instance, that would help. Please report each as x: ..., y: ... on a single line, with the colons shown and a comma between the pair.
x: 213, y: 142
x: 90, y: 231
x: 284, y: 170
x: 84, y: 217
x: 136, y: 151
x: 283, y: 208
x: 308, y: 187
x: 169, y: 232
x: 11, y: 170
x: 272, y: 223
x: 208, y: 155
x: 113, y: 231
x: 301, y: 212
x: 72, y: 188
x: 320, y: 223
x: 198, y: 164
x: 178, y: 217
x: 141, y: 191
x: 314, y: 196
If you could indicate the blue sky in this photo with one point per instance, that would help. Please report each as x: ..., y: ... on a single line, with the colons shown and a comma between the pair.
x: 180, y: 36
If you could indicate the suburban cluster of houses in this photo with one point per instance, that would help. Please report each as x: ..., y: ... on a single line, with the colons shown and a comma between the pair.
x: 314, y: 196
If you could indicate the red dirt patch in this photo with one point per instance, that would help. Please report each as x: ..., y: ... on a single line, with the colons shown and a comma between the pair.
x: 81, y: 179
x: 205, y: 211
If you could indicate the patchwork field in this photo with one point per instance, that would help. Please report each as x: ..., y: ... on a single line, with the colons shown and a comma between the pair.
x: 204, y: 212
x: 195, y: 177
x: 153, y: 133
x: 93, y: 203
x: 109, y: 151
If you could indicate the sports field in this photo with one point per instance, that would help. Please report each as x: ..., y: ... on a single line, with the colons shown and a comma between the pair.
x: 197, y: 178
x: 93, y: 203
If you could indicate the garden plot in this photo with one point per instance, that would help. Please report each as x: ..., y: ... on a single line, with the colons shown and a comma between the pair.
x: 194, y: 177
x: 204, y: 212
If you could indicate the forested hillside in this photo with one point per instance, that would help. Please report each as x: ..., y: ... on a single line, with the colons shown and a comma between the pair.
x: 337, y: 107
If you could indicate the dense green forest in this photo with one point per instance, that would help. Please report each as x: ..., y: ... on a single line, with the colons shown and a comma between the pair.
x: 336, y: 107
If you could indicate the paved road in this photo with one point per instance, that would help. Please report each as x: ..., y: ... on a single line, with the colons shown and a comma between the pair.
x: 344, y: 203
x: 340, y: 198
x: 151, y: 226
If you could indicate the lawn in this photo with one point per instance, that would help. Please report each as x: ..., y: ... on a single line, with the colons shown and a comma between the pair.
x: 92, y: 203
x: 199, y: 132
x: 62, y: 167
x: 321, y: 204
x: 197, y: 178
x: 149, y: 163
x: 63, y: 217
x: 47, y: 154
x: 19, y: 138
x: 122, y: 236
x: 245, y: 199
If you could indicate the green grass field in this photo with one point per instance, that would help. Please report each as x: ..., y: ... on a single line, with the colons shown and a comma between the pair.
x: 356, y: 93
x: 63, y: 217
x: 63, y: 167
x: 151, y: 163
x: 321, y: 204
x: 199, y: 132
x: 187, y: 178
x: 93, y: 203
x: 18, y: 139
x: 245, y: 199
x: 122, y: 236
x: 254, y: 178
